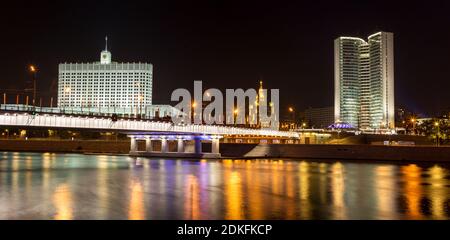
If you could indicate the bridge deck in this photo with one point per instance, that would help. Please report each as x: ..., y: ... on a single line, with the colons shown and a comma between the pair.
x: 130, y: 125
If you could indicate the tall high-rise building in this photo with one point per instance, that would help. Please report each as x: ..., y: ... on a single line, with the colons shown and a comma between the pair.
x: 364, y: 81
x: 105, y: 86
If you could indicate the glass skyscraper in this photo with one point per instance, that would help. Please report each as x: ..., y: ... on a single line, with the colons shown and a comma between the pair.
x: 364, y: 81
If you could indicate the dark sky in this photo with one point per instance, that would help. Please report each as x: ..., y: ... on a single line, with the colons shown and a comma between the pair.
x: 231, y: 44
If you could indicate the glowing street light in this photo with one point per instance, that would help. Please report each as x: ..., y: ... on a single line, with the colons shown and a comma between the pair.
x: 33, y: 70
x: 292, y: 111
x: 436, y: 124
x: 413, y: 121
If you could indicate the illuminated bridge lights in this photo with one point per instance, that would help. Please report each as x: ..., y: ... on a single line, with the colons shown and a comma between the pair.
x: 130, y: 125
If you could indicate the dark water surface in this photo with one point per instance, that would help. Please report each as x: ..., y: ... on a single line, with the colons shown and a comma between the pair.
x: 74, y: 186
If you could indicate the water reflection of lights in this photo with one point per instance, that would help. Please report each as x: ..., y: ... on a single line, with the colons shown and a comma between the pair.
x: 305, y: 205
x: 289, y: 192
x: 438, y: 192
x: 385, y: 191
x: 338, y: 190
x: 192, y: 199
x: 304, y: 181
x: 47, y: 159
x: 412, y: 190
x: 233, y: 195
x: 136, y: 163
x: 223, y: 189
x: 62, y: 200
x: 254, y: 190
x: 102, y: 187
x: 323, y: 183
x: 136, y: 208
x: 276, y: 185
x: 15, y: 173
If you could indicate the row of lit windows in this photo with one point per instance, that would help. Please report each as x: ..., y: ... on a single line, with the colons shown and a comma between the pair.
x: 106, y: 74
x: 124, y: 81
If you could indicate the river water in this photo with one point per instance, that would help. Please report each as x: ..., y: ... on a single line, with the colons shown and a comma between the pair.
x: 76, y: 186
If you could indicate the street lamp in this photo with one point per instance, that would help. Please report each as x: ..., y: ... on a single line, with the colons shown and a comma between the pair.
x: 33, y: 71
x: 436, y: 124
x: 235, y: 112
x: 292, y: 110
x: 413, y: 121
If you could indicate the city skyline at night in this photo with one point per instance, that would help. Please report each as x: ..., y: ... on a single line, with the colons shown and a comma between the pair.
x: 206, y: 113
x: 181, y: 46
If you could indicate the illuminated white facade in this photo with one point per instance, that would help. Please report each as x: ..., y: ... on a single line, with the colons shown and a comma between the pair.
x: 105, y: 86
x: 364, y: 81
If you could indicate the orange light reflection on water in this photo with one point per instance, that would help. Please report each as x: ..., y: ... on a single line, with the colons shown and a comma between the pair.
x: 412, y: 189
x: 192, y: 198
x: 438, y: 192
x: 62, y: 199
x: 136, y: 208
x: 233, y: 192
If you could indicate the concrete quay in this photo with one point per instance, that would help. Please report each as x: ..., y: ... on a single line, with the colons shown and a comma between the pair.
x: 335, y: 151
x: 241, y: 150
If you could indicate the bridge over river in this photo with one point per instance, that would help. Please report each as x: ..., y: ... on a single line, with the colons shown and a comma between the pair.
x: 148, y: 130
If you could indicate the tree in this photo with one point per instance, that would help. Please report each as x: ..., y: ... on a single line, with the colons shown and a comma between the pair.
x: 430, y: 129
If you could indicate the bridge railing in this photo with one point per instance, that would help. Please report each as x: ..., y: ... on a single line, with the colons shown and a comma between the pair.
x: 61, y: 121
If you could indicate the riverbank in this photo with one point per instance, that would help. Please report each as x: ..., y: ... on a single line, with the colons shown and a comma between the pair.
x: 335, y: 151
x: 235, y: 150
x: 67, y: 146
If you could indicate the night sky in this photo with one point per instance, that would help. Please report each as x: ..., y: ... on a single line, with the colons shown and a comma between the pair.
x: 230, y: 44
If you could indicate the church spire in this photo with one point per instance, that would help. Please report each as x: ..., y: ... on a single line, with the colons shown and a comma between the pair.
x: 106, y: 43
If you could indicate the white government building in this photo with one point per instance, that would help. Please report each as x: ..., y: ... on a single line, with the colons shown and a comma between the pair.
x: 364, y: 81
x: 108, y: 87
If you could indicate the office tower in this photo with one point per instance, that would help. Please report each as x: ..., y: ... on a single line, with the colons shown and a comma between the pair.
x: 364, y: 81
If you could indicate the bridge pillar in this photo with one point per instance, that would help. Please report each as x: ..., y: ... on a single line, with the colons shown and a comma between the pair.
x: 133, y: 145
x: 215, y: 145
x: 198, y: 145
x: 164, y: 145
x: 148, y: 145
x: 180, y: 148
